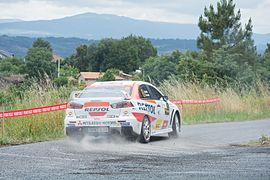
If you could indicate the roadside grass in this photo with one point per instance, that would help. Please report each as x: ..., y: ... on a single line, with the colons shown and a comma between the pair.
x: 264, y: 140
x: 39, y: 127
x: 249, y: 104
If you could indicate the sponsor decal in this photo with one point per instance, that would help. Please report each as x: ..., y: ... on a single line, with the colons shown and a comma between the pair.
x: 96, y: 108
x: 125, y: 124
x: 81, y: 117
x: 158, y: 124
x: 147, y: 107
x: 165, y: 124
x: 112, y: 116
x: 98, y: 123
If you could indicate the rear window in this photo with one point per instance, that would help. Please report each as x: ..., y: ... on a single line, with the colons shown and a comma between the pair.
x: 106, y: 91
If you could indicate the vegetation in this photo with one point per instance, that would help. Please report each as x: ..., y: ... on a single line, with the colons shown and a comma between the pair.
x: 264, y: 140
x: 228, y: 56
x: 126, y: 54
x: 65, y: 47
x: 247, y: 104
x: 109, y: 75
x: 39, y: 60
x: 38, y: 127
x: 11, y: 66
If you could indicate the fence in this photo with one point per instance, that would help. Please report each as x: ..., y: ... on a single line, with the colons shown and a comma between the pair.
x: 57, y: 107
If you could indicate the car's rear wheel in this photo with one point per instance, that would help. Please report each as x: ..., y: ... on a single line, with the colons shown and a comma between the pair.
x: 145, y: 130
x: 175, y: 127
x: 73, y: 135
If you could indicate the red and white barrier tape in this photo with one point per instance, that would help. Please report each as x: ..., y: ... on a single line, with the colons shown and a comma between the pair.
x: 56, y: 107
x: 26, y: 112
x: 206, y: 101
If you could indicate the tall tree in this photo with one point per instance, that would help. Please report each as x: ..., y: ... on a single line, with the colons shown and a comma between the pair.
x: 222, y: 27
x: 126, y: 54
x: 40, y: 43
x: 39, y: 60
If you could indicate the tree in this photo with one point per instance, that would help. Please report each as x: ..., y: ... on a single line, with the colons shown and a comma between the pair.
x: 108, y: 76
x: 126, y: 54
x: 222, y: 28
x: 61, y: 81
x: 81, y: 61
x: 11, y: 66
x: 158, y: 69
x: 39, y: 61
x: 265, y: 65
x: 40, y: 43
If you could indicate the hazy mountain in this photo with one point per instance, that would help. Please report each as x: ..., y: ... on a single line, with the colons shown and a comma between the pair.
x: 66, y: 46
x: 261, y: 40
x: 62, y: 46
x: 97, y: 26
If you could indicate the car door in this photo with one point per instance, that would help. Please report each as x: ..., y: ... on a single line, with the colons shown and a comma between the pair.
x: 163, y: 110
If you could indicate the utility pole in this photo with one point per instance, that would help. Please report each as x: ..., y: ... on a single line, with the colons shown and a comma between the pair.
x: 58, y: 68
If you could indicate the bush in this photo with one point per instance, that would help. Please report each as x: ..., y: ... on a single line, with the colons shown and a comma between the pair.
x: 61, y: 81
x: 108, y: 76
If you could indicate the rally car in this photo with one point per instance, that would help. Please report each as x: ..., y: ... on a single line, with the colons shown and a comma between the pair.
x: 130, y: 108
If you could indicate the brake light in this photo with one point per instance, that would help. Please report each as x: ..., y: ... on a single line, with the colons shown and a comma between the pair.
x: 123, y: 104
x: 74, y: 105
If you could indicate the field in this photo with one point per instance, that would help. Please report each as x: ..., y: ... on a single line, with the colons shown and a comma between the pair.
x: 248, y: 104
x: 234, y: 106
x: 38, y: 127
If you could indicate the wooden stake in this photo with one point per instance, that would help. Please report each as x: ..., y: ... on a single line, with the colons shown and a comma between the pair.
x: 2, y: 127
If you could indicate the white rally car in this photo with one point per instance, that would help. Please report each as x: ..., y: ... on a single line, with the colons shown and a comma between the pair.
x: 130, y: 108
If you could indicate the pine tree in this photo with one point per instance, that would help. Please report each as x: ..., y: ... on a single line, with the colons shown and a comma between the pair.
x: 222, y: 28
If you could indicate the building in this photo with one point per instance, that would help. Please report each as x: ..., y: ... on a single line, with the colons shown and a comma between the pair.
x: 4, y: 55
x: 91, y: 77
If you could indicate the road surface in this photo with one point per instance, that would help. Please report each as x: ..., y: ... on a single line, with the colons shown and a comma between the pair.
x: 204, y: 151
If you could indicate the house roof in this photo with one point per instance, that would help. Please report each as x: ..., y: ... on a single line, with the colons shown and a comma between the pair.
x: 5, y: 53
x: 96, y: 75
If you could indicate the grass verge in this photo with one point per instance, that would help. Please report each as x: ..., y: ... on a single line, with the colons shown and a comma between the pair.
x: 39, y: 127
x: 234, y: 106
x: 264, y: 140
x: 253, y: 103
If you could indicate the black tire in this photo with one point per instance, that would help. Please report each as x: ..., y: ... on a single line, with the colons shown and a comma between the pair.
x: 74, y: 136
x: 145, y: 130
x: 175, y: 126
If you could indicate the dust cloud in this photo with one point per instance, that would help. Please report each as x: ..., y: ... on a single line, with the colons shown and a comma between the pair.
x: 103, y: 144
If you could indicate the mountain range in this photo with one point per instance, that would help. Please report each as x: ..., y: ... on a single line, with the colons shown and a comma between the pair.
x: 97, y: 26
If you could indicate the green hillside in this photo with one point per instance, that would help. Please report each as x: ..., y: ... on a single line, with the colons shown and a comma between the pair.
x: 64, y: 47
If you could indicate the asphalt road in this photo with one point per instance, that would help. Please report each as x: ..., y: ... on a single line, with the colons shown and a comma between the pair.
x: 201, y: 152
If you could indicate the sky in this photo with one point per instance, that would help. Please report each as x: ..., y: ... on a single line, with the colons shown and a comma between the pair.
x: 177, y: 11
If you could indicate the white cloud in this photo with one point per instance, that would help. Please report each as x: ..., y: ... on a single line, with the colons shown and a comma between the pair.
x: 178, y: 11
x: 259, y: 15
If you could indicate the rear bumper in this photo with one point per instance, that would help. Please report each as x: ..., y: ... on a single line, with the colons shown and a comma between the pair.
x: 121, y: 125
x: 83, y: 130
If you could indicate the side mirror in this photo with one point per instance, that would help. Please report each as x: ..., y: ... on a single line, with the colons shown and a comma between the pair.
x: 165, y: 98
x: 74, y: 94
